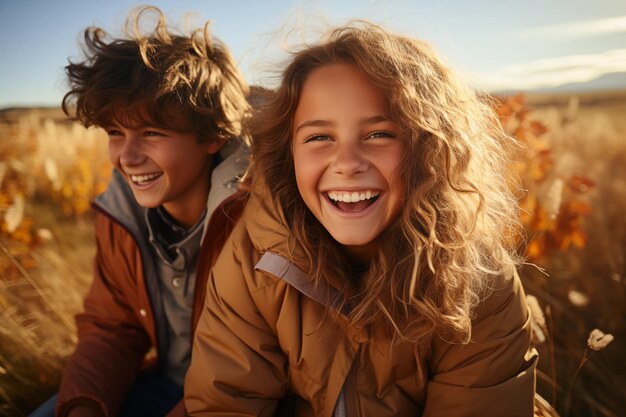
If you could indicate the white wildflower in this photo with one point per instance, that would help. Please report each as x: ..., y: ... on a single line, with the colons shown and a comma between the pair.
x: 14, y: 214
x: 598, y: 340
x: 44, y: 234
x: 577, y: 298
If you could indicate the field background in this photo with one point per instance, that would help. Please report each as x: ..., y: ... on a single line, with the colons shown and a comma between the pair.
x: 572, y: 164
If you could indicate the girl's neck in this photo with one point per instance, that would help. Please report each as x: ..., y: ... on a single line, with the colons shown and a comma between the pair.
x: 359, y: 261
x: 360, y: 255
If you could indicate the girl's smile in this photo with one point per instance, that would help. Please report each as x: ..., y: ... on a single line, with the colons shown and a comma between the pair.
x: 353, y: 202
x: 346, y: 154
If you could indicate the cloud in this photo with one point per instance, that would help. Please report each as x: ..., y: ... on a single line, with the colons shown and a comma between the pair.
x: 576, y: 29
x: 553, y: 72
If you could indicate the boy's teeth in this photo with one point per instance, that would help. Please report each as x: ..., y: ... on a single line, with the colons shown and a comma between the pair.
x: 144, y: 178
x: 351, y: 197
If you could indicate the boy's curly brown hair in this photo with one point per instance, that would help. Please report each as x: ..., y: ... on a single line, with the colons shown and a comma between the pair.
x: 186, y: 83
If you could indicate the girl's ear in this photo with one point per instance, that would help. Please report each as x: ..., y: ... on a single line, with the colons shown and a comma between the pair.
x: 214, y: 145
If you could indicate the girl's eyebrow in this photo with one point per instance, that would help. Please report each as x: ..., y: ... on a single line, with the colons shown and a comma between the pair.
x: 326, y: 123
x: 315, y: 123
x: 375, y: 119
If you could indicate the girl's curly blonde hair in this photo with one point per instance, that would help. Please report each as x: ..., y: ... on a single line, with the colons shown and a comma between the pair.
x: 436, y: 262
x: 188, y: 83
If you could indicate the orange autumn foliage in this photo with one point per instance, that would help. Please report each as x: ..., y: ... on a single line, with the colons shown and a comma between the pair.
x: 553, y: 213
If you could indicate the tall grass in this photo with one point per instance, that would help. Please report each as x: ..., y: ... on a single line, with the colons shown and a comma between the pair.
x: 49, y: 172
x: 586, y: 284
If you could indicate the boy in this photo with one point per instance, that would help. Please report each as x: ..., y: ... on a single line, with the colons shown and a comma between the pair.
x: 173, y: 107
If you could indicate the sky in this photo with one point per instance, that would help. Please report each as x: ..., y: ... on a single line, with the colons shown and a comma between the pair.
x: 496, y: 45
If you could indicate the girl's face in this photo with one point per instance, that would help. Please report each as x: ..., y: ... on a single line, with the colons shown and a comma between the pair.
x: 347, y: 152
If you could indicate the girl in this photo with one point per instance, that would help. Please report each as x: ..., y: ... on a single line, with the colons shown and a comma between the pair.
x: 371, y: 274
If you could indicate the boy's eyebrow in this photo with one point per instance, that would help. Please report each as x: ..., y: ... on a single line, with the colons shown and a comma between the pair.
x: 325, y: 123
x: 137, y: 127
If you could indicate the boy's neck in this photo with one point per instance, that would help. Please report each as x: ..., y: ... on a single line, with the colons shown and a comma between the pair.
x: 168, y: 234
x: 186, y: 217
x: 174, y: 230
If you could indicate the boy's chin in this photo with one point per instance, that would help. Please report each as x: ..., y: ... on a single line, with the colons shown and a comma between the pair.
x: 147, y: 202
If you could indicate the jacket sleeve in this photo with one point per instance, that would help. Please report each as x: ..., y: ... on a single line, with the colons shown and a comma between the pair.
x: 112, y: 340
x: 237, y: 366
x: 493, y: 375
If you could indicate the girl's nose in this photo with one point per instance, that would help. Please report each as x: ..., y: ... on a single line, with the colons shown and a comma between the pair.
x: 131, y: 152
x: 349, y: 159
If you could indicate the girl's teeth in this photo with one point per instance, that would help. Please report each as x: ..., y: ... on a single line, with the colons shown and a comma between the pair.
x: 351, y: 197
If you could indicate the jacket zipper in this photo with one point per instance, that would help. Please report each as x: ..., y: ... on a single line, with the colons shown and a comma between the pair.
x: 340, y: 408
x: 351, y: 400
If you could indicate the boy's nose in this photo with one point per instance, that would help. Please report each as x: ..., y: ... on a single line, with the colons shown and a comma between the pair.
x: 349, y: 160
x: 131, y: 152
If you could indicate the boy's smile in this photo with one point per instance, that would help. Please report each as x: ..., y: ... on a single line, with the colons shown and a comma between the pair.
x: 164, y: 167
x: 346, y: 155
x: 142, y: 180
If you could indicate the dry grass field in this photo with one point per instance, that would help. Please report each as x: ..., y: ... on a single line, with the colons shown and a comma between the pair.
x: 572, y: 167
x: 50, y: 170
x: 586, y: 286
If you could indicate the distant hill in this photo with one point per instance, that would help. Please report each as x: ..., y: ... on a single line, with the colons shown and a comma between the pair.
x: 607, y: 82
x: 613, y: 81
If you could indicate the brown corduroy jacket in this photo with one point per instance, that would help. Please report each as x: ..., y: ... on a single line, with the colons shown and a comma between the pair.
x: 266, y: 344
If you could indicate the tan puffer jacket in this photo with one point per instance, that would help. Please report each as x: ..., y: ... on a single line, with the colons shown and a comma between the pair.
x: 266, y: 345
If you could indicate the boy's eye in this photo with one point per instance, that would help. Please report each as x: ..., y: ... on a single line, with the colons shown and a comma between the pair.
x: 152, y: 133
x: 113, y: 132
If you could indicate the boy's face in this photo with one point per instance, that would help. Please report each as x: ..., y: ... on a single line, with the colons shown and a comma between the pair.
x: 164, y: 167
x: 346, y: 154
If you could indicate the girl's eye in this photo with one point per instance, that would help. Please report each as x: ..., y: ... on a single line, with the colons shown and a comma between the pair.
x: 316, y: 138
x: 381, y: 134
